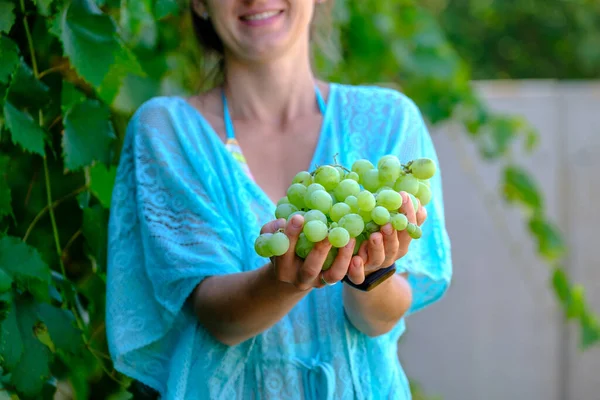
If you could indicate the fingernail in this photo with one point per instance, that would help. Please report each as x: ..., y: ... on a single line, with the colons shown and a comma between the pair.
x: 377, y: 240
x: 296, y: 223
x: 387, y: 229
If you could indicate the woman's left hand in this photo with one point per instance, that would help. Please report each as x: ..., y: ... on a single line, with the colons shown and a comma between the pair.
x: 386, y: 246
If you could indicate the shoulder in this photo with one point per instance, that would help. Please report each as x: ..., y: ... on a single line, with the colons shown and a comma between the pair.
x: 376, y: 95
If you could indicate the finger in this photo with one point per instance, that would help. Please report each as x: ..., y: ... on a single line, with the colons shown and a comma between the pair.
x: 311, y: 268
x: 421, y: 215
x: 390, y: 244
x: 273, y: 226
x: 407, y: 208
x: 375, y: 250
x: 293, y: 229
x: 339, y: 268
x: 356, y: 271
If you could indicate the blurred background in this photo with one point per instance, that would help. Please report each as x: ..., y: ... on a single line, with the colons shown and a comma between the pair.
x: 510, y: 90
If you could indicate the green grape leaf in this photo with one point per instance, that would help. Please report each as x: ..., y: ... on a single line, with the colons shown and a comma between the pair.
x: 24, y: 130
x: 32, y: 370
x: 95, y: 221
x: 102, y: 181
x: 138, y: 24
x: 26, y: 91
x: 9, y: 58
x: 61, y: 329
x: 91, y: 42
x: 165, y: 8
x: 519, y: 186
x: 11, y: 344
x: 7, y: 15
x: 88, y: 135
x: 69, y: 96
x: 44, y: 7
x: 26, y: 267
x: 5, y: 193
x: 551, y: 246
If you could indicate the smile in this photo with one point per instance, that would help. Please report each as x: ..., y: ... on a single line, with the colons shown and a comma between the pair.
x: 261, y: 16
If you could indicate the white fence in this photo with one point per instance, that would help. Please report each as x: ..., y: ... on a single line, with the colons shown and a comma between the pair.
x: 499, y: 334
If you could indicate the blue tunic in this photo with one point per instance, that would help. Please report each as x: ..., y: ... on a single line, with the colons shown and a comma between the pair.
x: 183, y: 209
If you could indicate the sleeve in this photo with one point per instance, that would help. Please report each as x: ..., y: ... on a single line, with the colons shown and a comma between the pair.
x: 428, y: 262
x: 168, y: 231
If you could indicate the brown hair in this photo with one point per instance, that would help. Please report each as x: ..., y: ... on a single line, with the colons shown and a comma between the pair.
x: 212, y: 45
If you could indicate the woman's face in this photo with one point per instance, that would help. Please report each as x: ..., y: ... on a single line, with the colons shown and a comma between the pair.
x: 257, y: 30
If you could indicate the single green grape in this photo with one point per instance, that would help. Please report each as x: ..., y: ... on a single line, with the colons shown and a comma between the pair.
x: 380, y: 215
x: 342, y: 173
x: 333, y: 252
x: 365, y: 215
x: 338, y: 210
x: 389, y: 168
x: 353, y: 175
x: 320, y: 200
x: 261, y: 245
x: 353, y: 223
x: 371, y: 227
x: 315, y: 231
x: 315, y: 215
x: 424, y: 194
x: 423, y: 168
x: 283, y: 200
x: 389, y: 199
x: 347, y: 187
x: 352, y: 201
x: 366, y: 200
x: 414, y: 231
x: 361, y: 166
x: 295, y: 195
x: 303, y: 246
x: 339, y: 237
x: 370, y: 180
x: 407, y: 183
x: 415, y: 202
x: 284, y: 210
x: 303, y: 177
x: 399, y: 221
x: 313, y: 187
x: 333, y: 225
x: 327, y: 176
x: 279, y: 243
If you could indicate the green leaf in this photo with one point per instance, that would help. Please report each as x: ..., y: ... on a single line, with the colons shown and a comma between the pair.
x: 5, y: 305
x: 165, y: 8
x: 519, y: 186
x: 5, y: 192
x: 60, y: 324
x: 7, y: 15
x: 5, y: 281
x: 26, y: 90
x: 44, y: 7
x: 138, y: 24
x: 560, y: 284
x: 9, y: 58
x: 25, y: 265
x: 95, y: 222
x: 25, y: 131
x: 70, y: 96
x: 91, y: 42
x: 32, y: 370
x: 11, y: 344
x: 550, y: 243
x: 88, y: 135
x: 590, y: 331
x: 102, y: 182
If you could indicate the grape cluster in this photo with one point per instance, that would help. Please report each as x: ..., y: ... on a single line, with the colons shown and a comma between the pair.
x: 339, y: 204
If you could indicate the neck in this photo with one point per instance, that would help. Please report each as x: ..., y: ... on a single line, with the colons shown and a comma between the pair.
x: 276, y: 91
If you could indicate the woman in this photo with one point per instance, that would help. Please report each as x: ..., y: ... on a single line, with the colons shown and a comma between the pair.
x: 192, y: 310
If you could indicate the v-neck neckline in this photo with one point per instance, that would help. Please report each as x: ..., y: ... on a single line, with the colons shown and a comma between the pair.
x: 314, y: 158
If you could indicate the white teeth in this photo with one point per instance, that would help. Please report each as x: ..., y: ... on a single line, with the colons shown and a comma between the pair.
x: 263, y: 15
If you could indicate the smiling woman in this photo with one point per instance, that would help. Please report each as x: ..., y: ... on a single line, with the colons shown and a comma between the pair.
x: 192, y: 311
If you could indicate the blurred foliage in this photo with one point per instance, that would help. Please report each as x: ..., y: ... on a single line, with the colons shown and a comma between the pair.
x: 512, y: 39
x: 72, y: 73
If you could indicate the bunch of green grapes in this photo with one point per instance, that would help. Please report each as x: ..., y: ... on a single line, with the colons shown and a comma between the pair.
x: 339, y: 204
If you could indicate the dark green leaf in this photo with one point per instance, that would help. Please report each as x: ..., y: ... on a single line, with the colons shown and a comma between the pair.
x: 24, y: 130
x: 519, y: 186
x: 44, y: 7
x: 165, y: 8
x: 26, y: 90
x: 91, y: 42
x: 61, y: 327
x: 5, y: 192
x: 590, y: 331
x: 95, y: 221
x: 5, y: 281
x: 550, y: 243
x: 102, y: 181
x: 25, y: 265
x: 5, y: 304
x: 560, y: 284
x: 88, y: 135
x: 11, y: 344
x: 9, y: 58
x: 70, y: 96
x: 33, y: 370
x: 7, y: 15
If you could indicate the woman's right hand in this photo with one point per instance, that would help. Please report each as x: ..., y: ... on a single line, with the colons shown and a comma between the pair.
x: 306, y: 274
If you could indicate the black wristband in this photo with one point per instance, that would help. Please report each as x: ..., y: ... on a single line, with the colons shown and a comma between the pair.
x: 373, y: 280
